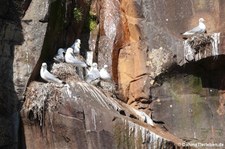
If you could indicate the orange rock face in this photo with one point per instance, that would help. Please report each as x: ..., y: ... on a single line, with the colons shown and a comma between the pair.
x: 132, y: 72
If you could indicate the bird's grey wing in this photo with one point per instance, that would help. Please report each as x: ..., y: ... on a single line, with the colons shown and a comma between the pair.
x: 70, y: 58
x: 79, y: 62
x: 195, y: 30
x: 89, y: 78
x: 59, y: 58
x: 51, y: 77
x: 76, y: 50
x: 92, y: 76
x: 73, y: 45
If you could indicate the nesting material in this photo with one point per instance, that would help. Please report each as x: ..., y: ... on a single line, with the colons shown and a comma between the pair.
x: 41, y: 97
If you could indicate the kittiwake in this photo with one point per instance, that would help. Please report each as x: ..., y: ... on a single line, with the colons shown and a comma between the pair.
x: 104, y: 73
x: 93, y: 74
x: 60, y: 57
x: 201, y: 28
x: 72, y: 59
x: 47, y: 76
x: 76, y: 46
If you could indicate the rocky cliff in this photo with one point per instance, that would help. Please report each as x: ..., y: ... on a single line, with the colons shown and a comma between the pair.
x: 80, y: 115
x: 141, y: 42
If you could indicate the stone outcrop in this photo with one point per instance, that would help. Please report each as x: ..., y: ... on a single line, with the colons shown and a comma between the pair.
x: 79, y: 115
x: 134, y: 81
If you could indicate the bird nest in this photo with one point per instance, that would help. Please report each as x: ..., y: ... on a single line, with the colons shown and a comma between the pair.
x: 200, y: 43
x: 41, y: 97
x: 65, y: 71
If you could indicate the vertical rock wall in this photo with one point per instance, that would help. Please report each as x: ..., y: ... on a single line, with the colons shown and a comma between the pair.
x: 11, y: 35
x: 153, y: 45
x: 148, y: 25
x: 27, y: 54
x: 25, y: 42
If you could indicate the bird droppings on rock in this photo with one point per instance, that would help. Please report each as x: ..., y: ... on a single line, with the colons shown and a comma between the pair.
x: 41, y: 97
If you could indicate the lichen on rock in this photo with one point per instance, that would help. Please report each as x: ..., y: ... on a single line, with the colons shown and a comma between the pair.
x: 159, y: 60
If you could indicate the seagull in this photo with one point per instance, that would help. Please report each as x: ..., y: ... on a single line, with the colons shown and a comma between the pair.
x: 201, y: 28
x: 93, y: 74
x: 47, y: 76
x: 60, y: 57
x: 76, y: 46
x: 72, y: 59
x: 104, y: 73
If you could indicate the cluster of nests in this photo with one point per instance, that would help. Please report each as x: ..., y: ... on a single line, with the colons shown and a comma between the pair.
x: 200, y: 43
x: 41, y: 97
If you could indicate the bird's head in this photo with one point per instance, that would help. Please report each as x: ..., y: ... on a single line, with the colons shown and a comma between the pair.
x: 44, y: 65
x: 69, y: 50
x: 94, y: 65
x: 77, y: 43
x: 201, y: 20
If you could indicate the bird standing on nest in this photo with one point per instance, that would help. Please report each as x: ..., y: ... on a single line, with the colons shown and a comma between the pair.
x: 72, y: 59
x: 76, y: 46
x: 200, y: 29
x: 93, y: 75
x: 104, y: 73
x: 47, y: 76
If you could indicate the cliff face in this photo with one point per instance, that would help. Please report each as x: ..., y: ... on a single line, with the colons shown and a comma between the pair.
x: 140, y: 41
x: 151, y: 59
x: 79, y: 115
x: 10, y: 36
x: 184, y: 95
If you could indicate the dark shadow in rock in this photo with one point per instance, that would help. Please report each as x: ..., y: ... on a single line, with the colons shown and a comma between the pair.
x: 61, y: 33
x: 11, y: 34
x: 210, y: 70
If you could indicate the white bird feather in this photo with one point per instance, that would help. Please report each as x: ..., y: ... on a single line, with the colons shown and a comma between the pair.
x: 47, y: 76
x: 104, y: 73
x: 72, y: 59
x: 201, y: 28
x: 93, y: 74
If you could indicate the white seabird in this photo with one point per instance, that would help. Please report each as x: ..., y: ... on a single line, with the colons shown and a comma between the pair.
x: 47, y: 76
x: 93, y: 74
x: 104, y: 73
x: 60, y: 56
x: 76, y: 46
x: 72, y: 59
x: 201, y: 28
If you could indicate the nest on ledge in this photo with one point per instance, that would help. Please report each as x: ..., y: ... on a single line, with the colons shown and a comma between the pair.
x: 200, y: 43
